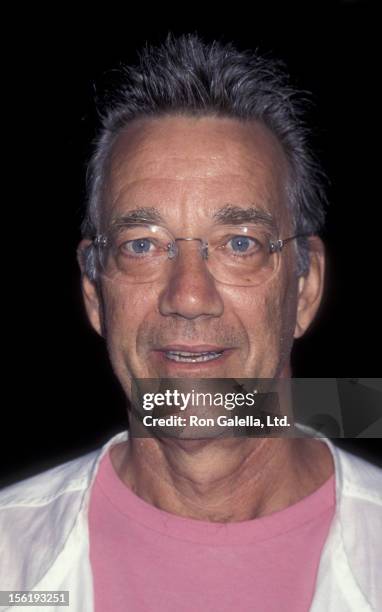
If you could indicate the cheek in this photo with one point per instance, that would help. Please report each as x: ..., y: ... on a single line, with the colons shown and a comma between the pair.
x: 266, y: 319
x: 125, y: 309
x: 270, y: 316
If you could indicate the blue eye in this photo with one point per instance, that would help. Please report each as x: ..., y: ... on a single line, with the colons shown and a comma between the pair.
x: 141, y: 245
x: 240, y: 243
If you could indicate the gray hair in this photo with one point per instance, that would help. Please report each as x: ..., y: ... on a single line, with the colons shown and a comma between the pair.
x: 187, y: 76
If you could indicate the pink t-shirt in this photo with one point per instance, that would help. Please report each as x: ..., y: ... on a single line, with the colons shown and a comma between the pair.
x: 145, y: 559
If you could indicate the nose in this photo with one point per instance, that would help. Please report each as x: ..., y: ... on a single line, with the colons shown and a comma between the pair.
x: 190, y: 289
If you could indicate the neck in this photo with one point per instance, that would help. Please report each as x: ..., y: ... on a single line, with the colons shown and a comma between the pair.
x: 222, y: 480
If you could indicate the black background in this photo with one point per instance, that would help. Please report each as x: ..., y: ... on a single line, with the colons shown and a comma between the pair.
x: 60, y: 397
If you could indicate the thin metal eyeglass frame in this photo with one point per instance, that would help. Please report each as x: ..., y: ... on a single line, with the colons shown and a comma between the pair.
x: 101, y: 241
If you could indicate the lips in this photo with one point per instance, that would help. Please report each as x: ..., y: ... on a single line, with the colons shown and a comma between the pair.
x: 193, y: 348
x: 187, y: 357
x: 200, y: 353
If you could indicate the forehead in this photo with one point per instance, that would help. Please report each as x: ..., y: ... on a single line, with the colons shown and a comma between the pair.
x: 187, y: 168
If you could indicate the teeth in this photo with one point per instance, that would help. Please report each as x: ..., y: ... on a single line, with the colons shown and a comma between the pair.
x: 191, y: 357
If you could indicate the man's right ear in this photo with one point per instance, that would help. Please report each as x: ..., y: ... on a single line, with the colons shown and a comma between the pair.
x: 89, y: 289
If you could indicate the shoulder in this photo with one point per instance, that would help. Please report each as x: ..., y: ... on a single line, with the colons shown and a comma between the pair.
x: 69, y: 477
x: 39, y: 514
x: 358, y: 478
x: 359, y: 521
x: 46, y: 486
x: 36, y: 517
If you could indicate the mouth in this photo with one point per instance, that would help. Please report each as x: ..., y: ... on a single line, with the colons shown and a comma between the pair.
x: 184, y: 357
x: 194, y: 354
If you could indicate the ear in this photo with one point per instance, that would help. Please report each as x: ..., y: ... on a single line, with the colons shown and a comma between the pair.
x: 90, y: 290
x: 310, y: 287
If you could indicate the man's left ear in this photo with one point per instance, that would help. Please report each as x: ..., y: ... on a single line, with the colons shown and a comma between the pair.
x: 310, y: 287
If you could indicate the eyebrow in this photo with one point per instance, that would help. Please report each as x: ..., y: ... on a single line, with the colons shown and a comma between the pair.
x: 139, y: 215
x: 233, y: 215
x: 228, y: 214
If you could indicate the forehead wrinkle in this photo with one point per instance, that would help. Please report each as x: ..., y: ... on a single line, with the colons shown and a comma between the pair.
x: 142, y: 159
x: 227, y: 214
x: 166, y: 167
x: 266, y: 190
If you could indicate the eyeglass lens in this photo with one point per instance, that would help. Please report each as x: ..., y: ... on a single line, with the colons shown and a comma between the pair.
x: 238, y: 255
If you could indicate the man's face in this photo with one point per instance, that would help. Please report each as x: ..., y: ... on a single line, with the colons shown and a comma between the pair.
x: 188, y: 168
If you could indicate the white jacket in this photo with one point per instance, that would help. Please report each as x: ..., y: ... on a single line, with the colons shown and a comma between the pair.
x: 44, y: 540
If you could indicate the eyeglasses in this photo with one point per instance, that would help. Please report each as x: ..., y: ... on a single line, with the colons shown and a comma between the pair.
x: 241, y: 255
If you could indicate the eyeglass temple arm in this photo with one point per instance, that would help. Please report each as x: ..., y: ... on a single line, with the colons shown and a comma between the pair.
x: 278, y: 245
